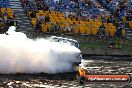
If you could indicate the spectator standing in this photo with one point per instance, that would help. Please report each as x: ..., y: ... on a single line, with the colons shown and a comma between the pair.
x: 41, y: 18
x: 1, y: 26
x: 53, y: 27
x: 33, y: 14
x: 102, y: 31
x: 66, y: 13
x: 118, y: 36
x: 47, y: 18
x: 38, y: 27
x: 1, y: 15
x: 70, y: 28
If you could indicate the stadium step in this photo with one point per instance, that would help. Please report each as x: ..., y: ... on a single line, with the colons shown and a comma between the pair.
x: 24, y: 23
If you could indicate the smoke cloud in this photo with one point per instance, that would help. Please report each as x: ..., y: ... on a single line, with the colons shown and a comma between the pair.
x: 23, y: 55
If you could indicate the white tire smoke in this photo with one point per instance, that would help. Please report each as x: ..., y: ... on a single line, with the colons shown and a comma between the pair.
x: 23, y: 55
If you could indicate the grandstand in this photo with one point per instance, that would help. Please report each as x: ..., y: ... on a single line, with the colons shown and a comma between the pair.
x: 7, y: 17
x: 69, y: 16
x: 120, y: 9
x: 24, y: 24
x: 82, y: 17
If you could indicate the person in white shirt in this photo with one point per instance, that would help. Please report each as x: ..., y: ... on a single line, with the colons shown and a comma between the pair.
x: 70, y: 28
x: 41, y: 17
x: 66, y: 13
x: 72, y: 2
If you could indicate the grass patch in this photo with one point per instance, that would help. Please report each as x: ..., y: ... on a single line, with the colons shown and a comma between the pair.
x: 94, y: 45
x: 128, y: 47
x: 100, y: 45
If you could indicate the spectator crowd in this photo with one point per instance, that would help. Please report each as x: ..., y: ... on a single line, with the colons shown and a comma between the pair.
x: 106, y: 18
x: 7, y: 18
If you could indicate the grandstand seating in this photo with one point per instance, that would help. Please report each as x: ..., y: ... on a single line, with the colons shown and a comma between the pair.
x: 6, y: 14
x: 112, y: 5
x: 44, y: 27
x: 112, y: 31
x: 56, y: 12
x: 34, y: 21
x: 5, y: 8
x: 130, y: 24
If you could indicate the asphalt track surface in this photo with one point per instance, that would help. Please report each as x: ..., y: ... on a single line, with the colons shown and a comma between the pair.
x: 68, y: 80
